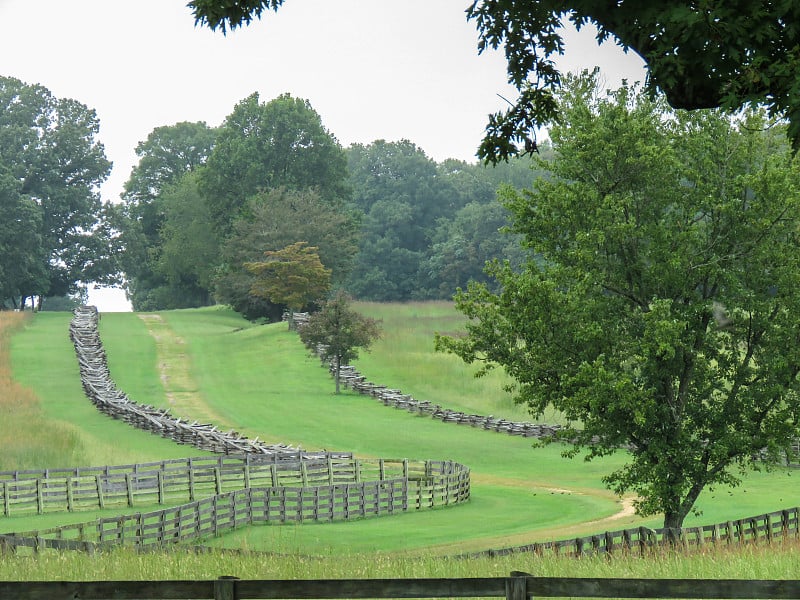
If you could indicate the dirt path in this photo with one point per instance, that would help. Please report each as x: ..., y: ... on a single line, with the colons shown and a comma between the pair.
x: 174, y: 367
x: 624, y: 517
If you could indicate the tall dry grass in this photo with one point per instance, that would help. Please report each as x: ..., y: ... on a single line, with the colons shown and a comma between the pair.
x: 778, y: 560
x: 27, y: 438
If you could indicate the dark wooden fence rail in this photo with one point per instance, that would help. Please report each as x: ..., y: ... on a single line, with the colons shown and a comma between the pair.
x: 516, y: 587
x: 783, y: 524
x: 351, y: 378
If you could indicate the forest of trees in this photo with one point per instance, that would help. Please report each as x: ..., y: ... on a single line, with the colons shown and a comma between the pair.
x: 389, y: 222
x: 54, y: 231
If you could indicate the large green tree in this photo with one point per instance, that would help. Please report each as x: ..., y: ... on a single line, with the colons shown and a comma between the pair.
x: 23, y: 267
x: 48, y: 146
x: 461, y: 247
x: 188, y: 254
x: 402, y: 195
x: 168, y: 153
x: 293, y: 276
x: 262, y: 146
x: 661, y: 309
x: 272, y: 220
x: 700, y: 54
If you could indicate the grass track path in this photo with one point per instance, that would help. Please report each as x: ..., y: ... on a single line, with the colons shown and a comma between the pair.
x: 175, y: 372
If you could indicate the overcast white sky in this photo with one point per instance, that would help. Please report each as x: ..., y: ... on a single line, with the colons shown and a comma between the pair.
x: 372, y: 69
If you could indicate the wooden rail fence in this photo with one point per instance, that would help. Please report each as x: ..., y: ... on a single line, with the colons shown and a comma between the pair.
x: 519, y: 586
x: 276, y: 483
x: 782, y: 524
x: 350, y: 377
x: 277, y: 492
x: 184, y: 480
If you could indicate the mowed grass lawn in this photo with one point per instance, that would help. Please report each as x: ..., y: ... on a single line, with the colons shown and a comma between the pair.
x: 261, y: 382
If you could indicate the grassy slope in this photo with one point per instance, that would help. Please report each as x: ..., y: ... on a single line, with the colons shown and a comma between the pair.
x: 260, y: 380
x: 252, y: 376
x: 44, y: 360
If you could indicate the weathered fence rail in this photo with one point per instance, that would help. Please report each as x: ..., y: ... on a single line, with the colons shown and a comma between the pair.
x: 184, y: 480
x: 516, y: 587
x: 351, y: 378
x: 398, y: 486
x: 276, y: 492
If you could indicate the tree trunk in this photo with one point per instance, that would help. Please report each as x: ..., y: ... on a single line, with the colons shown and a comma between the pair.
x: 338, y: 370
x: 291, y: 320
x: 674, y: 519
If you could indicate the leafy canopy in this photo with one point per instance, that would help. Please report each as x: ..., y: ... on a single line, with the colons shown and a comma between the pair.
x: 272, y: 220
x: 699, y: 54
x: 151, y: 225
x: 293, y: 276
x: 661, y: 310
x: 278, y: 144
x: 51, y: 167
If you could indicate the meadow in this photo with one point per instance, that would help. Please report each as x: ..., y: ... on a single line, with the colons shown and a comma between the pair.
x: 260, y: 381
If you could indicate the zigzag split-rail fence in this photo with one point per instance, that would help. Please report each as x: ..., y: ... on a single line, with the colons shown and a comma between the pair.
x: 350, y: 377
x: 249, y: 483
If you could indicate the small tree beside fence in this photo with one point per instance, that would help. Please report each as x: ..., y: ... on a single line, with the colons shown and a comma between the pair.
x: 336, y: 332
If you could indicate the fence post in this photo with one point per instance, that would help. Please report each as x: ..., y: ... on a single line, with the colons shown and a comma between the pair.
x: 217, y: 480
x: 70, y: 503
x: 191, y: 481
x: 129, y: 488
x: 160, y: 486
x: 517, y: 586
x: 101, y: 503
x: 225, y: 588
x: 39, y: 497
x: 303, y: 473
x: 768, y: 526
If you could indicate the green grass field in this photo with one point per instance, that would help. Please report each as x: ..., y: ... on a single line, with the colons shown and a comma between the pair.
x: 260, y: 381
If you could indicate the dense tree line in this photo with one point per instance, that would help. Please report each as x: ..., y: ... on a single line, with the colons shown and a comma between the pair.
x: 388, y: 222
x: 55, y: 234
